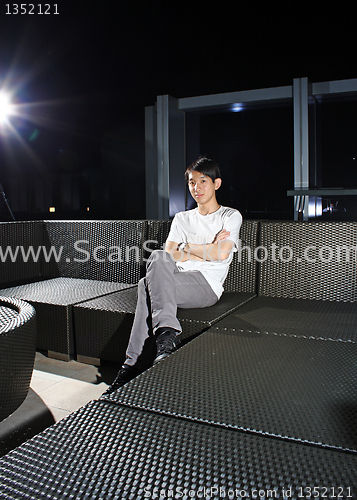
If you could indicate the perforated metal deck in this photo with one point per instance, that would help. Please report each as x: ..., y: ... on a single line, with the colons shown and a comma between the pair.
x: 300, y: 317
x: 291, y: 388
x: 104, y: 451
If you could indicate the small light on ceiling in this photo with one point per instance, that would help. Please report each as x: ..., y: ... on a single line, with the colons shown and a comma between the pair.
x: 237, y: 107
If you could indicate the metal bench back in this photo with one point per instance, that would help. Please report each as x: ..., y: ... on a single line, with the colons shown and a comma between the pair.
x: 98, y: 250
x: 309, y: 260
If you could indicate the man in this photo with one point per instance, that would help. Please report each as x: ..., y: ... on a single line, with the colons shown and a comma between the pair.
x: 189, y: 273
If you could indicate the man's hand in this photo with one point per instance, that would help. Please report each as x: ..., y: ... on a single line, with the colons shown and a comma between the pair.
x: 218, y: 250
x: 180, y: 254
x: 221, y: 236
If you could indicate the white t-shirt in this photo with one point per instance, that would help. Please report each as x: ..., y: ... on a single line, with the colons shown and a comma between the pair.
x: 192, y: 227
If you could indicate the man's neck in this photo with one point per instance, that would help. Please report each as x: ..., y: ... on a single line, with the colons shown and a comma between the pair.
x: 210, y: 209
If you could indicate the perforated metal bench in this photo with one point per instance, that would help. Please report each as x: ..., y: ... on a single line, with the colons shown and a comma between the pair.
x: 17, y: 352
x: 102, y: 325
x: 225, y: 413
x: 310, y: 289
x: 264, y: 401
x: 79, y: 269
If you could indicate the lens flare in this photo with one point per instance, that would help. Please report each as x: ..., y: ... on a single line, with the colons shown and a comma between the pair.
x: 5, y: 107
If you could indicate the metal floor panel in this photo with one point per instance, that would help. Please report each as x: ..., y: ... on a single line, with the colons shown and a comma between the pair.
x: 300, y: 317
x: 291, y: 388
x: 104, y: 451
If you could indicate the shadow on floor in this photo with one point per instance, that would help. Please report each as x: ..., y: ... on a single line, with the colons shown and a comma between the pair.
x: 29, y: 419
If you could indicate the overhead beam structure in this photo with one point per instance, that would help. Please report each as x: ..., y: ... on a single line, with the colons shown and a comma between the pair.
x: 229, y: 100
x: 166, y: 141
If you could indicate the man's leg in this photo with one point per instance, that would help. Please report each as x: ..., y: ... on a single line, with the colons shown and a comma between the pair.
x: 166, y: 289
x: 156, y: 305
x: 192, y: 291
x: 159, y: 294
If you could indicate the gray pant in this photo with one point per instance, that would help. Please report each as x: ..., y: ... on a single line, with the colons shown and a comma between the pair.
x: 159, y: 294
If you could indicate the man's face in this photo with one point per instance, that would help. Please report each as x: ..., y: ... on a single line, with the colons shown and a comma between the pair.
x: 202, y: 188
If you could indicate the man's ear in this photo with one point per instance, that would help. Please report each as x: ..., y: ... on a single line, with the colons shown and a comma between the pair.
x: 217, y: 183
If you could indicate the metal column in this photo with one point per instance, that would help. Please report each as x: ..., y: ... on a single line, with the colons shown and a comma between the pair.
x: 152, y: 196
x: 165, y: 159
x: 301, y: 146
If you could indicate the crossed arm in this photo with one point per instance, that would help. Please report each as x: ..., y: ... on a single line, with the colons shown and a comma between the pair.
x: 218, y: 250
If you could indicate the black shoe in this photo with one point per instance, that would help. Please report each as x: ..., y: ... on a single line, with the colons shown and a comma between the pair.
x: 125, y: 374
x: 166, y: 343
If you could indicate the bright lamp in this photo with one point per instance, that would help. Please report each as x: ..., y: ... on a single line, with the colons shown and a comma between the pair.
x: 5, y: 107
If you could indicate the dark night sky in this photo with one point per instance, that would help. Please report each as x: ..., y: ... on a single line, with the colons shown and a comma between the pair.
x: 96, y: 65
x: 127, y: 53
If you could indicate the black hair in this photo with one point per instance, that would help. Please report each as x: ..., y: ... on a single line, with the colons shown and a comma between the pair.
x: 205, y: 166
